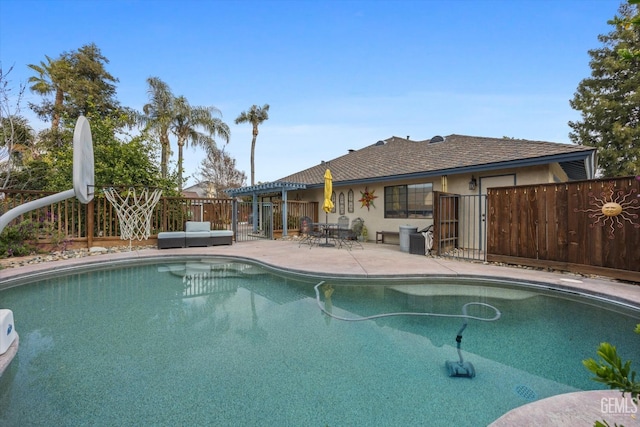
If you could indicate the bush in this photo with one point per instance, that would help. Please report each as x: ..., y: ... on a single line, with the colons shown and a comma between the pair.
x: 16, y: 240
x: 610, y: 370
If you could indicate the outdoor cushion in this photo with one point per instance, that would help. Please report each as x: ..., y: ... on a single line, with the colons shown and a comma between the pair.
x: 194, y: 226
x: 191, y: 234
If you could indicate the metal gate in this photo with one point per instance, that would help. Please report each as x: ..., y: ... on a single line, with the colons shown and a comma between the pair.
x: 461, y: 227
x: 252, y: 221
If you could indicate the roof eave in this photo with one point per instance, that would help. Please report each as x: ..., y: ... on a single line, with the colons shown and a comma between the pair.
x: 268, y: 187
x: 586, y: 157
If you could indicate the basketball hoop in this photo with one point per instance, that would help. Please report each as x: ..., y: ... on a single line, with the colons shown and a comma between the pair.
x: 83, y: 176
x: 134, y: 211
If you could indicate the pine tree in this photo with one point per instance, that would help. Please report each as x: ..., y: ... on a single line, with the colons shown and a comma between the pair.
x: 609, y: 100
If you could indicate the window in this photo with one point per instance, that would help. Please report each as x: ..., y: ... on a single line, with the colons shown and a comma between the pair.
x: 408, y: 201
x: 341, y: 203
x: 350, y: 201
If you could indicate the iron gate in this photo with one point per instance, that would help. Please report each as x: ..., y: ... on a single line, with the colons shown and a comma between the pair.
x: 252, y: 221
x: 461, y: 227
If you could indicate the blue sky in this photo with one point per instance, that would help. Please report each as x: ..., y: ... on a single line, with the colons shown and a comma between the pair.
x: 338, y: 75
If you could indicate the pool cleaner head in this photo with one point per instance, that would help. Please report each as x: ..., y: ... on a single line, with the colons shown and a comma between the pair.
x: 460, y: 368
x: 457, y: 369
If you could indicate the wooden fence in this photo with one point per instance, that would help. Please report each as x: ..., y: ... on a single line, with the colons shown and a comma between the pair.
x: 66, y: 223
x: 589, y: 227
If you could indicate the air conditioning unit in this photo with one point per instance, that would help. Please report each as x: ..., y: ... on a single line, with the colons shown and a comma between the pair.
x: 7, y: 330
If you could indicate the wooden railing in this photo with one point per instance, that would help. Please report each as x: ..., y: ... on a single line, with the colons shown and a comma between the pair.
x: 70, y: 220
x: 295, y: 211
x: 66, y: 218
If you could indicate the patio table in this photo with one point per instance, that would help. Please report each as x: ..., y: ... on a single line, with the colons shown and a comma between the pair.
x: 326, y: 229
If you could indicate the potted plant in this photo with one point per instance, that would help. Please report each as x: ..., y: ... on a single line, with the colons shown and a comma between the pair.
x: 365, y: 233
x: 356, y: 227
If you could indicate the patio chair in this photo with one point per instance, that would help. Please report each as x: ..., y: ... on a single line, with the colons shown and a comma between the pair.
x: 347, y: 236
x: 343, y: 222
x: 309, y: 231
x: 306, y: 228
x: 356, y: 231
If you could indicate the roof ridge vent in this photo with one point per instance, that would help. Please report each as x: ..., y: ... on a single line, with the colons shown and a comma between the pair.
x: 435, y: 139
x: 379, y: 143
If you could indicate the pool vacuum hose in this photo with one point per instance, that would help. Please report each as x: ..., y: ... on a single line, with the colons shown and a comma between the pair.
x: 458, y: 368
x: 462, y: 368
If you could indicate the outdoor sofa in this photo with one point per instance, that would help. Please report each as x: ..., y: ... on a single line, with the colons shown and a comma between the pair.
x: 196, y: 233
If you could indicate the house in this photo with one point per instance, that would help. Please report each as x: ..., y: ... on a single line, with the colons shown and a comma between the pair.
x: 391, y: 183
x: 200, y: 190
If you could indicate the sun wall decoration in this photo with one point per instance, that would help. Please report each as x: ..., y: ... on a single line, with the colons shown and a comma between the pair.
x: 613, y: 208
x: 367, y: 198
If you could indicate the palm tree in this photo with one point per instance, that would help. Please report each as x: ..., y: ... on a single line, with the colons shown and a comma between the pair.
x: 185, y: 124
x: 256, y: 115
x: 158, y: 114
x: 50, y: 79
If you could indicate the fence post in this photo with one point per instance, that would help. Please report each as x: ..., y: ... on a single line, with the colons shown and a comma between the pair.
x: 165, y: 217
x: 90, y: 207
x: 234, y: 218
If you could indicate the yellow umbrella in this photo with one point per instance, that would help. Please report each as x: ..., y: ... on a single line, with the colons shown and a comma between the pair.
x: 328, y: 189
x: 327, y: 206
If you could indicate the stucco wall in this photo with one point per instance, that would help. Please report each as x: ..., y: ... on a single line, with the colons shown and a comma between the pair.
x: 459, y: 184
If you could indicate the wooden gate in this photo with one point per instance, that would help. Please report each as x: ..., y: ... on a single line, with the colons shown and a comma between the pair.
x: 460, y: 226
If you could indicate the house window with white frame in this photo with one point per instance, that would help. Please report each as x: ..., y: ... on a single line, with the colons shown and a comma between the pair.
x: 409, y: 201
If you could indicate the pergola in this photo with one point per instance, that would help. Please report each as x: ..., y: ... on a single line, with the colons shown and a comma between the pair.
x: 267, y: 188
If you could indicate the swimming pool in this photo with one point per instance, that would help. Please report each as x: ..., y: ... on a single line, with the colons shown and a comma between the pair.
x: 224, y: 342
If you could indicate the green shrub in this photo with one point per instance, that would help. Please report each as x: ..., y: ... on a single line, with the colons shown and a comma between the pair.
x: 17, y: 240
x: 610, y: 370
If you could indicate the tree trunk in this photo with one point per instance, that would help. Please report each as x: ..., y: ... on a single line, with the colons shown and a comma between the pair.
x: 253, y: 151
x: 253, y: 167
x: 57, y: 107
x: 180, y: 169
x: 164, y: 155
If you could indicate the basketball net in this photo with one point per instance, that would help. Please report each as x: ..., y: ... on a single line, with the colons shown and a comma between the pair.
x: 134, y: 211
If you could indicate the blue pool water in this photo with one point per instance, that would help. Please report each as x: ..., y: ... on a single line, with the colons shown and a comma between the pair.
x: 220, y: 342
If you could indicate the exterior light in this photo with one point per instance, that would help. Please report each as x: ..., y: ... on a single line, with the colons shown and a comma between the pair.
x: 473, y: 183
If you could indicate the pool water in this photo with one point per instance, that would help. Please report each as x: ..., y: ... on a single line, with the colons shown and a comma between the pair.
x: 218, y: 342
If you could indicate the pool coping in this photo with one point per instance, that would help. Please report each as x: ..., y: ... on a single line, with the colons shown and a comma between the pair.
x: 581, y: 408
x: 387, y: 261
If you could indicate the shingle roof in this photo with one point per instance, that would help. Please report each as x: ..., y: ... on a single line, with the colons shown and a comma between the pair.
x: 403, y: 158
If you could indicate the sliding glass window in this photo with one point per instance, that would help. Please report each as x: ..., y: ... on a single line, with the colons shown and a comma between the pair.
x: 408, y: 201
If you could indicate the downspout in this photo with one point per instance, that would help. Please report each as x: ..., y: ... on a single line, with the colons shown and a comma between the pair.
x: 590, y: 165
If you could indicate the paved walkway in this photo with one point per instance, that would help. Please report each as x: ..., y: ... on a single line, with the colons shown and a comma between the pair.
x: 380, y: 260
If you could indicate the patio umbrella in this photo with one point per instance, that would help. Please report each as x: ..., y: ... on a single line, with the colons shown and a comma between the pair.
x: 328, y: 189
x: 327, y: 206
